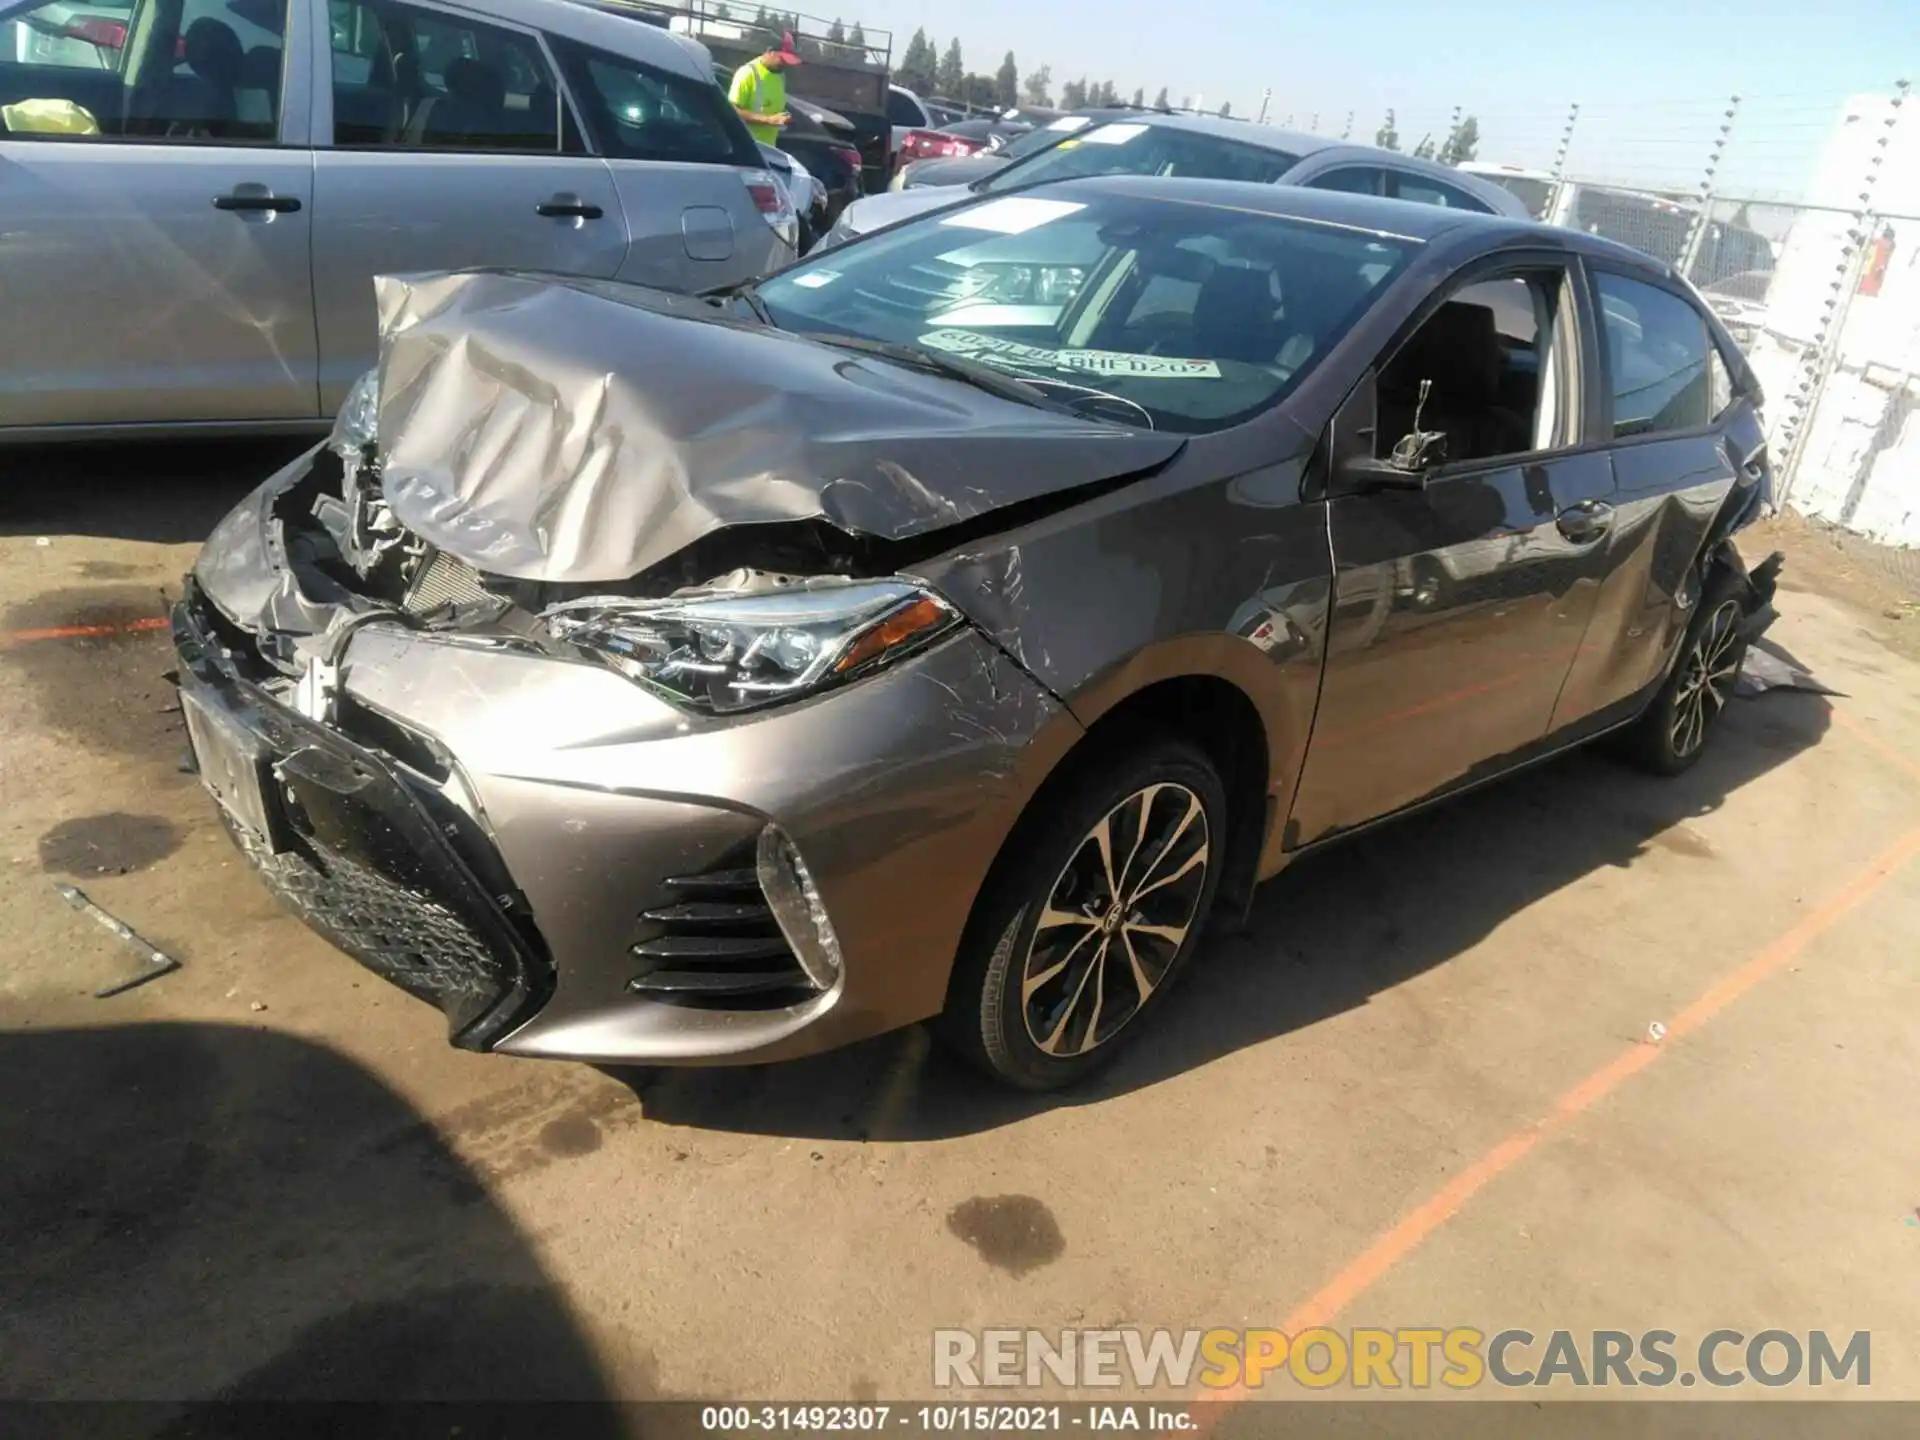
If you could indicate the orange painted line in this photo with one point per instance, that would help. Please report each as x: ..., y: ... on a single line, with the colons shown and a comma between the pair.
x: 1864, y: 734
x: 10, y: 638
x: 1406, y: 1234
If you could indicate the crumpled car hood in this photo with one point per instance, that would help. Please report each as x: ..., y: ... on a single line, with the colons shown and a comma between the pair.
x: 581, y: 431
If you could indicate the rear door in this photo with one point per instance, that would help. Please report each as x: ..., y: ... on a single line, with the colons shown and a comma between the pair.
x: 1459, y: 606
x: 156, y: 203
x: 442, y: 142
x: 1680, y: 441
x: 694, y: 186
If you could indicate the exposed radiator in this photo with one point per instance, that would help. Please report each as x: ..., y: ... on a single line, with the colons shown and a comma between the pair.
x: 444, y: 580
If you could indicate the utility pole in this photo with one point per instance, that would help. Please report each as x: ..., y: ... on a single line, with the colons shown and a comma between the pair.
x: 1266, y: 101
x: 1347, y: 129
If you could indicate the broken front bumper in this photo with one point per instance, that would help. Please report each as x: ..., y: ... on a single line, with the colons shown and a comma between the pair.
x: 352, y: 849
x: 566, y: 863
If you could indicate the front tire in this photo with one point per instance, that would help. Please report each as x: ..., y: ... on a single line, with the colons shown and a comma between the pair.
x: 1670, y: 737
x: 1092, y: 913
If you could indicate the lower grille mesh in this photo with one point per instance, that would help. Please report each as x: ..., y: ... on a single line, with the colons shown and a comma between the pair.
x: 404, y: 936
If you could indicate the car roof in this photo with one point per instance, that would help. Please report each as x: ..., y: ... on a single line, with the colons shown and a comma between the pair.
x: 1402, y: 219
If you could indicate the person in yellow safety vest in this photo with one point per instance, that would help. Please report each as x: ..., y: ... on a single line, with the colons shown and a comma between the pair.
x: 759, y: 91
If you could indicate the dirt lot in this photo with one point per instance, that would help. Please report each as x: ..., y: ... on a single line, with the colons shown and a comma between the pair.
x: 1421, y: 1091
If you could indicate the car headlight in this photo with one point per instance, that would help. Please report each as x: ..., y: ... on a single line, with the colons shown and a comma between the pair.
x: 726, y: 652
x: 358, y: 424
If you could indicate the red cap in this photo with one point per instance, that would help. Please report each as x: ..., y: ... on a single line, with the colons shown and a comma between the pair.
x: 785, y: 51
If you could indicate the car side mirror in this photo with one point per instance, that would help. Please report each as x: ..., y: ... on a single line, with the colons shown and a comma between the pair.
x: 1367, y: 473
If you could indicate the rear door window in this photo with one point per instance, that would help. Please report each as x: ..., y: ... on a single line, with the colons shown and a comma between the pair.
x: 1424, y: 191
x: 410, y: 78
x: 902, y: 110
x: 1352, y: 180
x: 1658, y: 358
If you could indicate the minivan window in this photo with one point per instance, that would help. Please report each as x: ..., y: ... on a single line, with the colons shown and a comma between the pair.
x: 408, y: 78
x: 207, y: 71
x: 1164, y: 315
x: 638, y: 112
x: 1657, y: 358
x: 1138, y: 148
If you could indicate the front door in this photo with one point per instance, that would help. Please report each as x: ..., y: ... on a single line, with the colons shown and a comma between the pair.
x: 155, y: 216
x: 1459, y: 607
x: 447, y: 150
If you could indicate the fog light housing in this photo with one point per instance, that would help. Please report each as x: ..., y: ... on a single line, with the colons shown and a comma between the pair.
x: 797, y: 907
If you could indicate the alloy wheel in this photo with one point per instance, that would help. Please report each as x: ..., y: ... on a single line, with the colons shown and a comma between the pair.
x: 1706, y: 679
x: 1115, y: 920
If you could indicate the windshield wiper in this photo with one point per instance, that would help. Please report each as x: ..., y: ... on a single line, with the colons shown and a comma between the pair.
x: 972, y: 372
x: 747, y: 292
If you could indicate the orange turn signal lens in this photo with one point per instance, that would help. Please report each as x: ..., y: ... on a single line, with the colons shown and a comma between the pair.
x: 898, y: 628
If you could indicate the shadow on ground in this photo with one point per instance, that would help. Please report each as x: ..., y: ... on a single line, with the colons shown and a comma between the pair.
x: 168, y: 492
x: 1326, y: 935
x: 197, y: 1213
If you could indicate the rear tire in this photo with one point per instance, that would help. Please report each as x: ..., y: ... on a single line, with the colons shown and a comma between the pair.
x: 1672, y: 734
x: 1060, y: 966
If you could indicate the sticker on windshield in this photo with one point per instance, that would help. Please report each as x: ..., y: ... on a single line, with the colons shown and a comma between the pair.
x: 1070, y: 123
x: 1013, y: 216
x: 1115, y: 134
x: 816, y: 279
x: 1115, y: 363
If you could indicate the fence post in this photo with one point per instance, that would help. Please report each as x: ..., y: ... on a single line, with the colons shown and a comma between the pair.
x: 1558, y: 210
x: 1703, y: 218
x: 1823, y: 355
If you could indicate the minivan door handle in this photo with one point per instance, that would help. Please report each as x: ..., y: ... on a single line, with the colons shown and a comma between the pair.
x: 249, y: 200
x: 1586, y: 522
x: 568, y: 207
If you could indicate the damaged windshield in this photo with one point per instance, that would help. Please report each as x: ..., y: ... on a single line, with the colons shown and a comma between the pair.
x: 1152, y: 313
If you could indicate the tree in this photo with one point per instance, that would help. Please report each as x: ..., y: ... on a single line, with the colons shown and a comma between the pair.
x: 1463, y: 143
x: 1160, y: 101
x: 952, y: 76
x: 1037, y: 88
x: 1006, y: 83
x: 1226, y: 110
x: 983, y: 91
x: 857, y: 41
x: 836, y: 33
x: 1425, y: 149
x: 916, y: 67
x: 1140, y: 97
x: 1387, y: 137
x: 1073, y: 95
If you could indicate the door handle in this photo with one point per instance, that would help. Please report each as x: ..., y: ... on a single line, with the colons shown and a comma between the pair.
x: 279, y: 204
x: 1586, y: 522
x: 569, y: 208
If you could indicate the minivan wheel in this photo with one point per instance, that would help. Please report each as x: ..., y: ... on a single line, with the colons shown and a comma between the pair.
x: 1091, y: 915
x: 1673, y: 732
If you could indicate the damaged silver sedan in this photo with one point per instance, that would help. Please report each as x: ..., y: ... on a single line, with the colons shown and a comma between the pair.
x: 947, y: 628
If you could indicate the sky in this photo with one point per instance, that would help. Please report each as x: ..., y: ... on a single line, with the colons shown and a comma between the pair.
x: 1653, y: 77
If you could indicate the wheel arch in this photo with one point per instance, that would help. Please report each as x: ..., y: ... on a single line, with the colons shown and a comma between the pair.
x: 1206, y: 709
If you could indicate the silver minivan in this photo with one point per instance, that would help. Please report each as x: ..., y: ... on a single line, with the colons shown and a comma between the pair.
x: 195, y: 195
